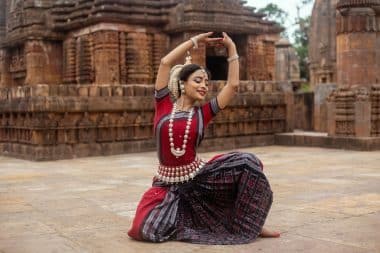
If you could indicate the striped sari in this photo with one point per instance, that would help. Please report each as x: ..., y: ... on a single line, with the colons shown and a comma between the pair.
x: 226, y: 203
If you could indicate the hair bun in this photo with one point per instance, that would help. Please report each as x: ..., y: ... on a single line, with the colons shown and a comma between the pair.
x: 173, y: 81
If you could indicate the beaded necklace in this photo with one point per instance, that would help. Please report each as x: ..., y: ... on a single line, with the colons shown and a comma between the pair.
x: 178, y: 152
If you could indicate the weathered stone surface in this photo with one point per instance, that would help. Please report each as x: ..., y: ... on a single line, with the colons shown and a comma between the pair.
x: 40, y: 126
x: 316, y: 139
x: 357, y: 40
x: 322, y: 46
x: 324, y: 201
x: 351, y: 109
x: 303, y: 110
x: 76, y: 77
x: 321, y: 93
x: 287, y: 62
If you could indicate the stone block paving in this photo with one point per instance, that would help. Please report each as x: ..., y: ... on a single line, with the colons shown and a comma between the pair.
x: 325, y: 200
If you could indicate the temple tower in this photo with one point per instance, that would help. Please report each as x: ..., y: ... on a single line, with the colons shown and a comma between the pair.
x: 322, y: 55
x: 354, y: 106
x: 322, y: 46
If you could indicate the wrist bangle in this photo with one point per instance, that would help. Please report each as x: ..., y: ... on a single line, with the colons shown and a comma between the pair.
x: 232, y: 58
x: 195, y: 42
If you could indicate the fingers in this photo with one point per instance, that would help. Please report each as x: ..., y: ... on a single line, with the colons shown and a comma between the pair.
x: 213, y: 39
x: 225, y: 35
x: 226, y: 38
x: 205, y: 35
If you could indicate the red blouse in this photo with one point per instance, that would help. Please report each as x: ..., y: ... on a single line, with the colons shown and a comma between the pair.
x: 201, y: 117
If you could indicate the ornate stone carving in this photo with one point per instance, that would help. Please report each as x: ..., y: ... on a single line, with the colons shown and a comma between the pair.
x: 362, y: 94
x: 84, y: 84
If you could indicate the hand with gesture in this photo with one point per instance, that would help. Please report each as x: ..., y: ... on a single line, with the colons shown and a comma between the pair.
x: 227, y: 41
x: 204, y: 37
x: 224, y: 41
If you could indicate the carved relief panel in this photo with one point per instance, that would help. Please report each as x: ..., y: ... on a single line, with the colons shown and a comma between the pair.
x: 17, y: 67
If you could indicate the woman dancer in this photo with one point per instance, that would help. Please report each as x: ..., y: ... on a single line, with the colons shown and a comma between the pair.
x: 222, y: 201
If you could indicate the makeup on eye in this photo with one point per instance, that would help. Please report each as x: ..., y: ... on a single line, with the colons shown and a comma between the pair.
x: 199, y: 79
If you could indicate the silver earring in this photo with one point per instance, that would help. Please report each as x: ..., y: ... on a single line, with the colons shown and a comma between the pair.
x: 182, y: 87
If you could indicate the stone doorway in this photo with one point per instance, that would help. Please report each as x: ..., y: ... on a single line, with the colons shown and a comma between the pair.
x: 217, y: 65
x: 216, y: 58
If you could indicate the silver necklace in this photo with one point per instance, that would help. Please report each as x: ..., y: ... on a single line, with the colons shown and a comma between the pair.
x: 178, y: 152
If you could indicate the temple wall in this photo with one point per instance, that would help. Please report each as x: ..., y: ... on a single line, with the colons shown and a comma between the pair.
x: 44, y: 122
x: 76, y: 77
x: 261, y: 59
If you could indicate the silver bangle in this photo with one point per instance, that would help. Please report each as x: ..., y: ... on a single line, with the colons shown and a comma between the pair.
x: 195, y: 42
x: 232, y: 58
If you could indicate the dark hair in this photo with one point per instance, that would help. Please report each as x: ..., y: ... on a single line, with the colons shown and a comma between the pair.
x: 186, y: 72
x: 189, y: 69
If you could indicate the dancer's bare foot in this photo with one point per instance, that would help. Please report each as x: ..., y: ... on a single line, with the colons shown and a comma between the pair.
x: 269, y: 233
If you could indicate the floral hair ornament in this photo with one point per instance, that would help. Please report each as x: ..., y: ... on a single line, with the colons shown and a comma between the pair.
x: 174, y: 83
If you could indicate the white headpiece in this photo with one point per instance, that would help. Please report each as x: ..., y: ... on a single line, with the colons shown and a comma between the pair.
x: 174, y: 77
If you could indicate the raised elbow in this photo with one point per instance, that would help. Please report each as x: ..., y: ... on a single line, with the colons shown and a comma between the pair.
x: 234, y: 84
x: 164, y: 61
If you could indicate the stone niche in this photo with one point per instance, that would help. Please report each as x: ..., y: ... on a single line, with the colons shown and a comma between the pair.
x: 354, y: 111
x: 76, y: 77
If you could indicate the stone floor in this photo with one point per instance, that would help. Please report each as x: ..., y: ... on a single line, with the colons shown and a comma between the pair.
x: 325, y: 201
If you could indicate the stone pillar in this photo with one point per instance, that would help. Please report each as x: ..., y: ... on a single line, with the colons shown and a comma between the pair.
x: 123, y: 57
x: 331, y: 122
x: 270, y: 59
x: 362, y: 113
x: 84, y: 66
x: 35, y: 60
x: 356, y: 46
x: 321, y: 92
x: 261, y: 58
x: 5, y: 77
x: 43, y: 62
x: 255, y: 59
x: 106, y: 57
x: 69, y: 61
x: 139, y: 58
x: 287, y: 62
x: 287, y: 88
x: 289, y: 101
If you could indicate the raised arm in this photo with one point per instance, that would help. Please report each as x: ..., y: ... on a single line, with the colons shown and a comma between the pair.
x: 178, y: 52
x: 228, y: 92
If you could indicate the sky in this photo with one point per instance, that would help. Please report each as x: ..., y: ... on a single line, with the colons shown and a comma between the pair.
x: 287, y: 5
